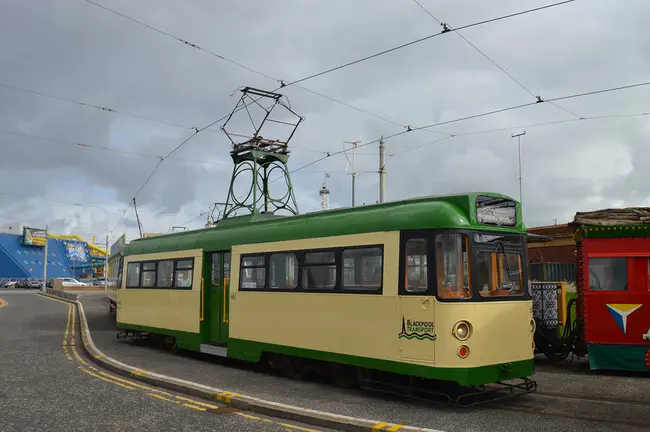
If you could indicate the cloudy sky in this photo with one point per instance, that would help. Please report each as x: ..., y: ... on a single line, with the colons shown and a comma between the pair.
x: 75, y: 50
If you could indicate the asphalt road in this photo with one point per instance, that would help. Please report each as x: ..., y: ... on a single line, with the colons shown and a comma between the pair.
x: 530, y: 412
x: 47, y: 385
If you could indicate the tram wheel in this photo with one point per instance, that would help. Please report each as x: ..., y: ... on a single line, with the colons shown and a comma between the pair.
x: 344, y: 376
x: 297, y: 368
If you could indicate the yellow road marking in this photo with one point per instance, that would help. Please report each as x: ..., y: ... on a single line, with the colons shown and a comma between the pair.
x: 3, y: 303
x: 67, y: 325
x: 131, y: 383
x: 198, y: 408
x: 380, y: 426
x: 248, y: 416
x: 396, y: 427
x: 70, y: 332
x: 65, y: 334
x: 226, y: 396
x: 197, y: 402
x: 104, y: 379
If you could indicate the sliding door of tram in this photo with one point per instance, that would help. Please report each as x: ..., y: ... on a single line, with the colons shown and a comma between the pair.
x: 215, y: 297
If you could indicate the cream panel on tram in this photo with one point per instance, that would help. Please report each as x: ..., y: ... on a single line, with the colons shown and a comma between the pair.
x: 365, y: 325
x: 174, y: 309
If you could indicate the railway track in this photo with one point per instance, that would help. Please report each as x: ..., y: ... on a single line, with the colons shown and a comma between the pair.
x: 590, y: 408
x: 612, y: 411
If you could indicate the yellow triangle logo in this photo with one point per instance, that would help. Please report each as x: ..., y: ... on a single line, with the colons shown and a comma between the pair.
x: 624, y: 307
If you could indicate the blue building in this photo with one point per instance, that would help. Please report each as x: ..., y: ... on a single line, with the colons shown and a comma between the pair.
x: 22, y: 256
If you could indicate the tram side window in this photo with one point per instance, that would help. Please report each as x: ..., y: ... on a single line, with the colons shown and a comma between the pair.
x: 133, y: 275
x: 416, y: 266
x: 283, y: 271
x: 148, y: 275
x: 608, y: 274
x: 452, y: 266
x: 362, y: 269
x: 119, y: 273
x: 165, y: 274
x: 319, y: 271
x: 184, y: 271
x: 253, y: 272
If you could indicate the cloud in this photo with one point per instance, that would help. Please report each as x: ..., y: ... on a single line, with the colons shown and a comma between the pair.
x: 78, y: 51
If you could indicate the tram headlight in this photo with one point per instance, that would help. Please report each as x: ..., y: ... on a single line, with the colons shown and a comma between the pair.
x: 533, y: 326
x: 462, y: 330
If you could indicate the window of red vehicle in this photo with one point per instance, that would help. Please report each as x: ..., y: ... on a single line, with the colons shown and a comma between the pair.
x: 608, y: 274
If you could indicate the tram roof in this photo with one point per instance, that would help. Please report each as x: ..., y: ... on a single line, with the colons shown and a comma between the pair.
x: 448, y: 211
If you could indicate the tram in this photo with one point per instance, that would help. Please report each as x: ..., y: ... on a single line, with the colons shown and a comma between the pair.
x: 428, y: 289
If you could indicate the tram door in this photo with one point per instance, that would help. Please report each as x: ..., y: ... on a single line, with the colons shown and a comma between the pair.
x: 417, y: 332
x: 215, y: 297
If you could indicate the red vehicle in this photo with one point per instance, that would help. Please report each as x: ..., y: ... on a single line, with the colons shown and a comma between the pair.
x: 613, y: 253
x: 612, y: 324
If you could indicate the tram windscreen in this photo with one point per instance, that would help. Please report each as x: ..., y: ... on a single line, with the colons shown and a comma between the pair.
x: 496, y: 211
x: 499, y: 273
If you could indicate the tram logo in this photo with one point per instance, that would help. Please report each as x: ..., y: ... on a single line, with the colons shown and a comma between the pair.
x: 620, y: 312
x: 419, y: 330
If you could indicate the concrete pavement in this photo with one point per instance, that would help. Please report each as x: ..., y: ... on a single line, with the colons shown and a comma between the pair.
x: 47, y: 384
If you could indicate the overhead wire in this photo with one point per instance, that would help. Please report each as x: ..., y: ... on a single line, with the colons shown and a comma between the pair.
x: 508, y: 74
x: 101, y: 148
x: 59, y: 202
x: 284, y: 84
x: 422, y: 39
x: 90, y: 105
x: 475, y: 116
x: 238, y: 64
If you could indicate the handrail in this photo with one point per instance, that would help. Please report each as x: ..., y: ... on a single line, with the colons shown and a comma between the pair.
x: 224, y: 318
x: 202, y: 299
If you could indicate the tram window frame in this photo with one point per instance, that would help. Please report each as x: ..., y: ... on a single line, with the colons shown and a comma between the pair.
x: 356, y: 288
x: 286, y: 286
x: 262, y: 266
x: 405, y: 237
x: 422, y: 267
x: 302, y: 256
x: 170, y: 275
x: 150, y: 269
x: 184, y: 268
x: 188, y: 267
x: 320, y: 264
x: 467, y: 265
x: 130, y: 278
x: 120, y: 269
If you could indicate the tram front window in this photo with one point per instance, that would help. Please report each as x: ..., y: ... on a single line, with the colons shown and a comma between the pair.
x: 499, y: 273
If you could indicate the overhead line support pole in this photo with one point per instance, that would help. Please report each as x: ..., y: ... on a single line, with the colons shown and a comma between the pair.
x: 382, y: 170
x: 518, y: 136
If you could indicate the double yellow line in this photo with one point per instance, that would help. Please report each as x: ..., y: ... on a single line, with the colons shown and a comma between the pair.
x: 3, y: 303
x: 69, y: 346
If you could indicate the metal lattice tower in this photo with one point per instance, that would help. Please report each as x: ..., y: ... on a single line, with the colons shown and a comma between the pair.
x: 256, y: 157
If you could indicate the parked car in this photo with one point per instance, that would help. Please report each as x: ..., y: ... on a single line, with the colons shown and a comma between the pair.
x: 72, y: 282
x: 11, y: 283
x: 34, y: 283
